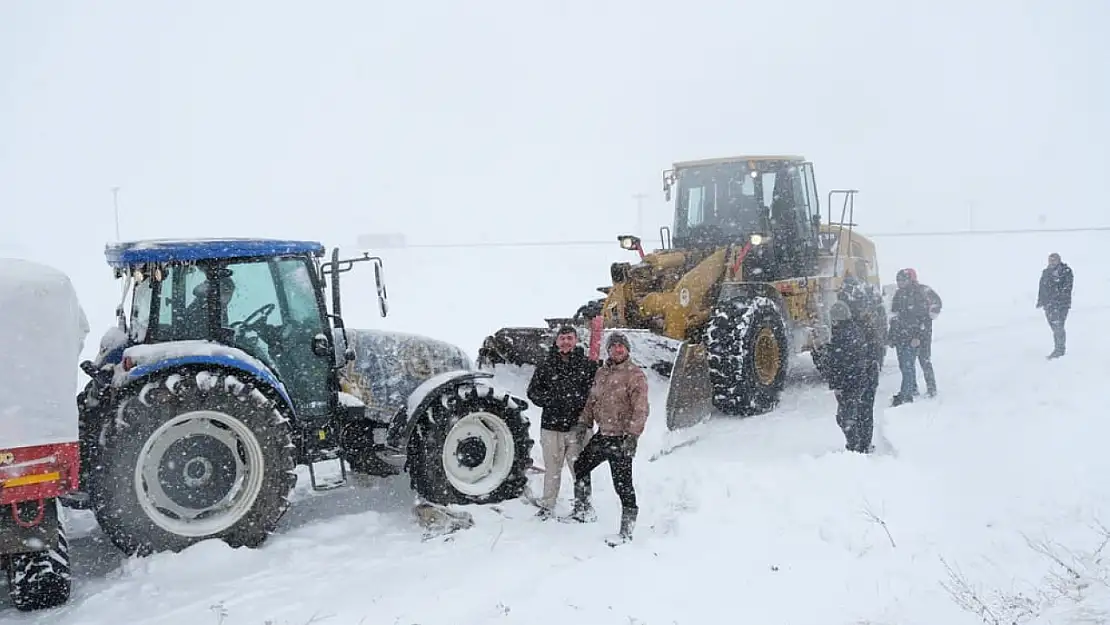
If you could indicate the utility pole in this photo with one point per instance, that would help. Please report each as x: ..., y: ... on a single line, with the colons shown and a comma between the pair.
x: 115, y: 206
x: 639, y: 197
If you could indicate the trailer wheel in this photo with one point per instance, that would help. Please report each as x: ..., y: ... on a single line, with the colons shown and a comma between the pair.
x: 471, y: 447
x: 41, y: 580
x: 748, y: 355
x: 194, y: 456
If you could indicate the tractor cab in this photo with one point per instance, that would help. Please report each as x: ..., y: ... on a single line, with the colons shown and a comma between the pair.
x: 767, y: 201
x: 262, y: 297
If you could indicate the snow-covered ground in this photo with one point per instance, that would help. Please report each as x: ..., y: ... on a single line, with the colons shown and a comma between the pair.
x: 990, y: 495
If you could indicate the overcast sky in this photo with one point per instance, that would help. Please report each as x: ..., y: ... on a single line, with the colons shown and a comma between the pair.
x: 509, y: 120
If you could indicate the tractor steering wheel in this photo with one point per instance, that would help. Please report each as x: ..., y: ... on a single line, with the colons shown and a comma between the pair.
x: 254, y: 319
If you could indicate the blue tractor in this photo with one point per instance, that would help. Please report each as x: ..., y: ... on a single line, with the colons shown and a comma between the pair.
x: 227, y: 370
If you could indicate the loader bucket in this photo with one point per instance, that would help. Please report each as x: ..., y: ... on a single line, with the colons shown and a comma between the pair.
x: 516, y: 346
x: 689, y: 394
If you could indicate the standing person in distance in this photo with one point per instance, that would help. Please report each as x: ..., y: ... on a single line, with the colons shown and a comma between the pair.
x: 618, y: 404
x: 853, y: 366
x: 560, y: 386
x: 1054, y: 296
x: 925, y: 351
x: 910, y: 326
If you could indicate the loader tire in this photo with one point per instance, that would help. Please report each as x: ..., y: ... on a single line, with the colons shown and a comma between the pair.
x: 748, y: 354
x: 192, y: 456
x: 41, y: 580
x: 471, y: 447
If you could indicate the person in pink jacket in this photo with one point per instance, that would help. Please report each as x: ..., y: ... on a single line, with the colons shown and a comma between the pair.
x: 618, y: 405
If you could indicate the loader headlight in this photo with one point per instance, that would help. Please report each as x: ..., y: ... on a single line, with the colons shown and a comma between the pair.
x: 756, y: 239
x: 629, y: 242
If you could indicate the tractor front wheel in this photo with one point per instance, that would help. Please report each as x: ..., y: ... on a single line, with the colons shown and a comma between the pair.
x: 748, y: 355
x: 193, y: 456
x: 470, y: 447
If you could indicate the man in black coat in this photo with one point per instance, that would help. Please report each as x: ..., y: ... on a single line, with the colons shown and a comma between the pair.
x: 910, y: 329
x: 853, y: 374
x: 560, y: 386
x: 1054, y: 295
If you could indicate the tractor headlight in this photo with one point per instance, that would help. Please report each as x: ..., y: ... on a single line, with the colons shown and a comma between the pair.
x: 756, y: 239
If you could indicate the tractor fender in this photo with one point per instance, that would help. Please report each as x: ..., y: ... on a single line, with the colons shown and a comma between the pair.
x: 407, y: 417
x: 227, y: 361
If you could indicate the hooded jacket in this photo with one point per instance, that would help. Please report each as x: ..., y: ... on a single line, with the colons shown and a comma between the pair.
x: 1055, y: 287
x: 618, y: 401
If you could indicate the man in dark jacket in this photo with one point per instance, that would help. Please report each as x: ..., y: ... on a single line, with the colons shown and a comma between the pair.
x: 1054, y: 295
x: 853, y: 374
x: 910, y: 327
x: 560, y: 386
x: 925, y: 350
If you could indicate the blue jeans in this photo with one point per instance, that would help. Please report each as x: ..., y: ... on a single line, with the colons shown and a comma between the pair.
x: 907, y: 364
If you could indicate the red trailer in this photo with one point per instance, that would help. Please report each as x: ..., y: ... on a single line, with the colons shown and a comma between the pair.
x: 42, y: 333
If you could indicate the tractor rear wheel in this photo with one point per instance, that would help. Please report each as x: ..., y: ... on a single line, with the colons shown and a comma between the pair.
x: 470, y: 447
x: 748, y: 355
x: 41, y: 580
x: 193, y: 456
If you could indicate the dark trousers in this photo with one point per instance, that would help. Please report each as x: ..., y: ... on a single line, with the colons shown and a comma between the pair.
x: 855, y: 413
x: 618, y: 451
x: 925, y: 357
x: 907, y: 364
x: 1057, y: 317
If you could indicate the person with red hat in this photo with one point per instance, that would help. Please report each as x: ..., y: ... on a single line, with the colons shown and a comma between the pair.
x: 914, y: 308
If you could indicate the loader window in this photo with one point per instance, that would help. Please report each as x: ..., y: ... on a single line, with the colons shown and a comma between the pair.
x: 718, y: 202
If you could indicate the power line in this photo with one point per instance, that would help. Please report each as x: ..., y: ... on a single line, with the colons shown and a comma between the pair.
x: 875, y: 235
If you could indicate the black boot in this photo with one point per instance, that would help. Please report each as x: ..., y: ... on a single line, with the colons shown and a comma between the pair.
x: 628, y: 522
x: 583, y: 511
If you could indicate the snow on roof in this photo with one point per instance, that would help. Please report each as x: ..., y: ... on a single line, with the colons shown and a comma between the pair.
x: 169, y: 250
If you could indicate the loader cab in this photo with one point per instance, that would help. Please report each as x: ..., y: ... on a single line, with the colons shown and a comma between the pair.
x: 264, y: 299
x: 770, y: 202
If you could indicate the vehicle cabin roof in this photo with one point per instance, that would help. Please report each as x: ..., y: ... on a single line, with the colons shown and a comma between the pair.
x: 738, y: 159
x: 132, y: 253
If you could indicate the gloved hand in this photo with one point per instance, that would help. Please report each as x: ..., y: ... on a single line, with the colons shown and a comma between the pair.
x: 934, y: 312
x: 628, y: 444
x: 915, y: 343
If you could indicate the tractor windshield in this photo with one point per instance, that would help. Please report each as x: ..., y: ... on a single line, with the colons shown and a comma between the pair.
x: 723, y: 202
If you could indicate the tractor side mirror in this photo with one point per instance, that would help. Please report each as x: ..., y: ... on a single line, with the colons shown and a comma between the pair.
x: 379, y: 281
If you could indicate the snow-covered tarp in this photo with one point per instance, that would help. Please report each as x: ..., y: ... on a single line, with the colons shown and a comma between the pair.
x: 42, y: 333
x: 389, y: 366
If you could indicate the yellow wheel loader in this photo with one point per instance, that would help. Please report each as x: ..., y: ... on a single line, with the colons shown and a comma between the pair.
x: 743, y: 284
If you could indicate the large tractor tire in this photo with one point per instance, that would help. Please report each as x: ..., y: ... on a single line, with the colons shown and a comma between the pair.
x: 194, y: 456
x: 471, y: 447
x: 41, y: 580
x: 748, y: 355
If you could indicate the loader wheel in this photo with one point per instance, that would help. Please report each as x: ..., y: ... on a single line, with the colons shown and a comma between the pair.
x: 471, y: 447
x: 41, y: 580
x: 748, y: 355
x: 193, y: 456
